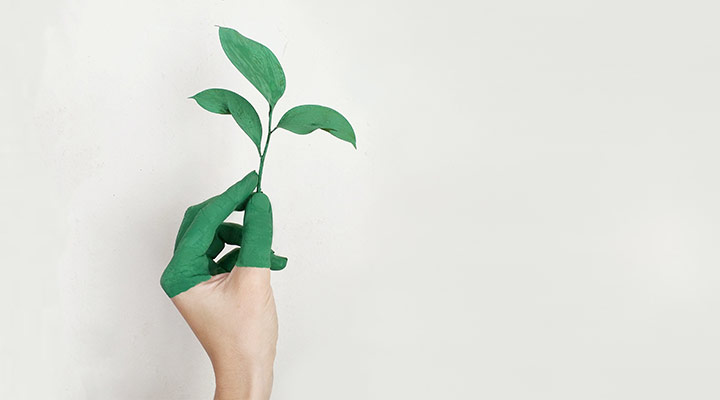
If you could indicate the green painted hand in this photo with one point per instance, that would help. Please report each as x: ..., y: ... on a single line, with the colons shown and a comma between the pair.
x: 203, y: 235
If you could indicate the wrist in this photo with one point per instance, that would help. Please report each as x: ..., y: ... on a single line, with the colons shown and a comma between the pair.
x: 242, y: 382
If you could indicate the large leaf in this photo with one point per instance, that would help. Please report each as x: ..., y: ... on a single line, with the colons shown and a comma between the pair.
x: 221, y: 101
x: 307, y: 118
x: 256, y: 62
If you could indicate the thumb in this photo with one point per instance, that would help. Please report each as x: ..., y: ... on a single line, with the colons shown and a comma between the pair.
x: 255, y: 249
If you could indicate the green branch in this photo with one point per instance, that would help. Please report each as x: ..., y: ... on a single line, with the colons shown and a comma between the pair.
x: 264, y: 153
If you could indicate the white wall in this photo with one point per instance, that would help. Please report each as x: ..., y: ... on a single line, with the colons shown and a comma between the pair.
x: 532, y: 211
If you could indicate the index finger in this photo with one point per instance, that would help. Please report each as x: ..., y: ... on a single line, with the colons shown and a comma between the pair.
x: 201, y: 231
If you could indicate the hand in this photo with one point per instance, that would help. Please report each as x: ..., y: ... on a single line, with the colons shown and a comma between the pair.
x: 230, y: 310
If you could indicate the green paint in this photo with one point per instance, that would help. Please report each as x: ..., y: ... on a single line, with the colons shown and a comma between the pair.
x: 221, y: 101
x: 232, y: 234
x: 257, y: 239
x: 305, y: 119
x: 256, y: 62
x: 260, y: 66
x: 203, y: 234
x: 267, y: 143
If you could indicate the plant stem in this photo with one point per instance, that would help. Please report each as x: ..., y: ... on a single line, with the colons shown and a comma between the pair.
x: 262, y: 156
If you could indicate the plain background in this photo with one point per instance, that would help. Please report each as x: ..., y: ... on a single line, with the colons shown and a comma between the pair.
x: 532, y: 211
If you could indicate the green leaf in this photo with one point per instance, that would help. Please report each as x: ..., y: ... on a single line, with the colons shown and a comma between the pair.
x: 221, y: 101
x: 307, y: 118
x: 256, y: 62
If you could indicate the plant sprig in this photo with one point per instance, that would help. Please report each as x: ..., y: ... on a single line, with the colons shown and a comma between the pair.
x: 260, y: 66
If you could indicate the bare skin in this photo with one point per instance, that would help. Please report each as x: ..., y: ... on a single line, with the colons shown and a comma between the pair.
x: 234, y: 317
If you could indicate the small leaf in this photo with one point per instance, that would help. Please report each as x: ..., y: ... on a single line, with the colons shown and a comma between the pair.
x: 221, y: 101
x: 307, y: 118
x: 256, y: 62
